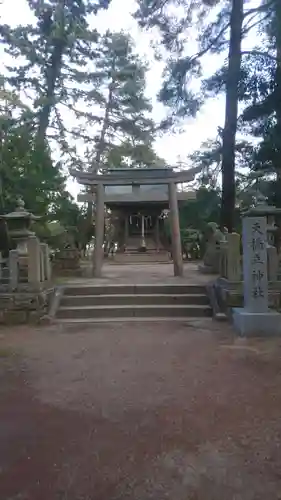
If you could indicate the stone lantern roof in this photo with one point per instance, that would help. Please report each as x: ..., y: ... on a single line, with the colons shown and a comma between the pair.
x: 19, y: 222
x: 20, y: 213
x: 262, y: 208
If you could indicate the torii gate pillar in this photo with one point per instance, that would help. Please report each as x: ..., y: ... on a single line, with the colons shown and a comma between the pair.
x: 175, y: 230
x: 99, y: 232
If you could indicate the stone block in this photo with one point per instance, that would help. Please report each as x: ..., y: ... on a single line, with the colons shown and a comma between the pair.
x: 23, y: 301
x: 6, y: 302
x: 234, y: 299
x: 33, y: 317
x: 249, y: 324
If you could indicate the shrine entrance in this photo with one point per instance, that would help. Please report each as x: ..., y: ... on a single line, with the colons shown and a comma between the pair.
x: 141, y: 224
x: 141, y: 228
x: 140, y: 198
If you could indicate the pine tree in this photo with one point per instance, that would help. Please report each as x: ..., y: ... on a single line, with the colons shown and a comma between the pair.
x: 115, y: 94
x: 231, y: 115
x: 233, y: 21
x: 59, y: 40
x: 30, y: 173
x: 117, y: 90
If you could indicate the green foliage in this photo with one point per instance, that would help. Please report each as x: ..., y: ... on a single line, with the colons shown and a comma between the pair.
x: 252, y: 77
x: 99, y: 80
x: 47, y: 54
x: 176, y: 20
x: 63, y: 64
x: 117, y: 86
x: 196, y: 214
x: 28, y: 172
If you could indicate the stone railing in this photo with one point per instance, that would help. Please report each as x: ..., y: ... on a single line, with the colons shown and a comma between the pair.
x: 67, y: 262
x: 25, y: 284
x: 230, y: 262
x: 32, y: 270
x: 230, y: 259
x: 272, y: 263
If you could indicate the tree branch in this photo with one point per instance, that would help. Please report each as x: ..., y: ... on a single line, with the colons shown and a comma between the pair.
x: 259, y: 53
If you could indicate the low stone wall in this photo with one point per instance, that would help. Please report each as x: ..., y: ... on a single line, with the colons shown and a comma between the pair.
x: 24, y: 306
x: 67, y: 263
x: 224, y: 295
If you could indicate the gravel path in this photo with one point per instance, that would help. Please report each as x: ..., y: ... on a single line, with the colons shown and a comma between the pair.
x: 139, y: 412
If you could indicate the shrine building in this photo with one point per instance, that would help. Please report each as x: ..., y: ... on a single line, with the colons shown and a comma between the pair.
x: 138, y: 199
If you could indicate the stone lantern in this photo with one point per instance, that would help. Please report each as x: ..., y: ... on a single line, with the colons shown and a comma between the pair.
x: 19, y: 225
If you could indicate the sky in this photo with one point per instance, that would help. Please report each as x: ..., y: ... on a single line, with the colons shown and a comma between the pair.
x: 174, y: 147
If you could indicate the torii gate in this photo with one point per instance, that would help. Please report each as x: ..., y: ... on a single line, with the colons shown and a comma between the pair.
x: 137, y: 177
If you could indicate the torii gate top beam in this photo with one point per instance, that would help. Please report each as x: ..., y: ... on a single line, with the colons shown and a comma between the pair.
x: 135, y: 176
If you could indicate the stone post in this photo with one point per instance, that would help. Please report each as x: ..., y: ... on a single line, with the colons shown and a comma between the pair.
x: 46, y: 261
x: 142, y: 231
x: 34, y: 261
x: 157, y: 233
x: 126, y: 234
x: 42, y: 266
x: 255, y: 264
x: 233, y: 272
x: 13, y: 269
x: 272, y: 263
x: 99, y: 230
x: 175, y: 230
x: 223, y: 262
x: 255, y: 318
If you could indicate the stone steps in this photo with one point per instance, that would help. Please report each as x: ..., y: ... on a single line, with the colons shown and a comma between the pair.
x: 142, y: 288
x: 140, y: 258
x: 106, y: 302
x: 133, y: 319
x: 133, y: 299
x: 134, y: 242
x: 149, y: 251
x: 138, y: 311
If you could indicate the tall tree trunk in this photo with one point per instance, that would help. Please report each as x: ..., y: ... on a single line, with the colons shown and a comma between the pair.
x: 52, y: 75
x: 54, y: 65
x: 100, y: 147
x: 231, y: 111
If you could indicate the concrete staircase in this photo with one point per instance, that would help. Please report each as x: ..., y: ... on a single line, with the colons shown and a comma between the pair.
x: 132, y: 302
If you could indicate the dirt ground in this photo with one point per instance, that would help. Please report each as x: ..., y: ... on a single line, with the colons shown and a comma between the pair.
x: 139, y: 411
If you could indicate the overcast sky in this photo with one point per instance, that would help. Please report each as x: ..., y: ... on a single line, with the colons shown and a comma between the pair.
x: 170, y: 147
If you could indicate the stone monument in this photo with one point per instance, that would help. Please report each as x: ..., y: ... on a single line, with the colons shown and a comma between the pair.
x: 211, y: 259
x: 255, y: 318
